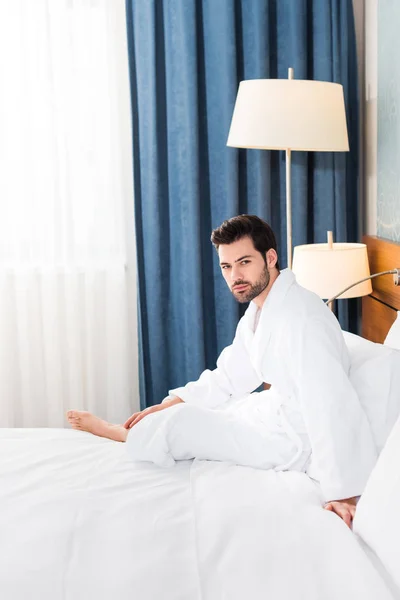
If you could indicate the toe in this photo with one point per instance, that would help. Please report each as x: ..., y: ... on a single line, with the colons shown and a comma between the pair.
x: 76, y: 425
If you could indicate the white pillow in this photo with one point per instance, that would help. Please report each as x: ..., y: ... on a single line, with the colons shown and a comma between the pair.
x: 393, y: 337
x: 377, y: 519
x: 375, y: 375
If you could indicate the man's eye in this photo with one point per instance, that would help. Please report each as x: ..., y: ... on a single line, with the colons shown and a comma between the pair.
x: 224, y: 266
x: 244, y: 262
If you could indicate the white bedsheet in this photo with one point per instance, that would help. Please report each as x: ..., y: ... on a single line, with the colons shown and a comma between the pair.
x: 80, y: 521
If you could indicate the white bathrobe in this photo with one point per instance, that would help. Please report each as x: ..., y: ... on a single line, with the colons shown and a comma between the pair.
x: 312, y: 410
x: 298, y: 348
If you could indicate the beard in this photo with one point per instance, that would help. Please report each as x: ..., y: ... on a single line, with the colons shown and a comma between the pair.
x: 254, y: 290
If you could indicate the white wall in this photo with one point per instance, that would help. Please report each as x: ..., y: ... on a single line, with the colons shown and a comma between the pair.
x: 370, y: 101
x: 365, y: 16
x: 359, y: 17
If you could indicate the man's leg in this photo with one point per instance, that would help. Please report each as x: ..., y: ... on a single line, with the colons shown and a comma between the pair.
x: 184, y: 432
x: 225, y: 436
x: 85, y: 421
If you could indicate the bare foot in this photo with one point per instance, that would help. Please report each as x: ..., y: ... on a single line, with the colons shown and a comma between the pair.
x: 85, y: 421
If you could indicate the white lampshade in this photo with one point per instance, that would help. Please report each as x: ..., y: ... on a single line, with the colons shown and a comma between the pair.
x: 280, y: 114
x: 328, y: 269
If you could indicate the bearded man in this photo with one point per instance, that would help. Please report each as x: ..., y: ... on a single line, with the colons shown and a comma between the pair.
x: 309, y: 420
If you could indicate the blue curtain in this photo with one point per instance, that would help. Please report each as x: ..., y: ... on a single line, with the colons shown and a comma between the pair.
x: 187, y: 58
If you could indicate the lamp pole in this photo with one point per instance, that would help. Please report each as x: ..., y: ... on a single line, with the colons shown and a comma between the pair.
x: 289, y: 195
x: 288, y: 208
x: 330, y: 246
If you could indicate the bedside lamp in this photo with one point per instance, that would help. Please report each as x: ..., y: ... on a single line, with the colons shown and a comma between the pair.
x: 335, y: 270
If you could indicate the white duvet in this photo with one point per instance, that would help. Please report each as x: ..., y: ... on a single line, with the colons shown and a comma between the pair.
x: 80, y: 521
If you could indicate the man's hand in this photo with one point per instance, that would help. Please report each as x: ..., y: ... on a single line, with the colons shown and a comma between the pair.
x: 345, y: 509
x: 136, y: 417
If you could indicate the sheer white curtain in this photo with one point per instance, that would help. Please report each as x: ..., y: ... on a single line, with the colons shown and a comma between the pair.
x: 68, y: 331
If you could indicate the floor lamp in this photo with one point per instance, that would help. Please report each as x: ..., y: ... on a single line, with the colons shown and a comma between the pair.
x: 289, y: 114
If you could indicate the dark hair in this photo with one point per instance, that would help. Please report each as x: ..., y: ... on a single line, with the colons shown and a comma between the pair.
x: 236, y: 228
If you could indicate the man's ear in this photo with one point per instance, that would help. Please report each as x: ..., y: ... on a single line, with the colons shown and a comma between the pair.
x: 271, y: 258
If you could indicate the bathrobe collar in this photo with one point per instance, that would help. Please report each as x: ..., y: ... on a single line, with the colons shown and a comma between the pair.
x: 274, y: 299
x: 258, y: 341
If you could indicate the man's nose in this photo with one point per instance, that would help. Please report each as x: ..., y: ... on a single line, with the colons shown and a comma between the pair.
x: 236, y: 274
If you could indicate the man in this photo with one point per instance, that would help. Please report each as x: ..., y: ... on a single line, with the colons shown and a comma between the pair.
x: 311, y: 419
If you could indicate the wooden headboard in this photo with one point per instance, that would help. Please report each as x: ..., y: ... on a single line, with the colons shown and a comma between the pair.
x: 379, y: 309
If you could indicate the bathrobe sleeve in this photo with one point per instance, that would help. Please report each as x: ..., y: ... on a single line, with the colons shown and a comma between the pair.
x: 234, y: 377
x: 343, y: 448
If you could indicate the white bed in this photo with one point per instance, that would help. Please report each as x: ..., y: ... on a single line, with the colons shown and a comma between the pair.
x: 79, y: 520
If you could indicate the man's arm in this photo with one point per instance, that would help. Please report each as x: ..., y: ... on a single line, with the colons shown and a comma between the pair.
x: 343, y: 448
x: 138, y: 416
x: 234, y: 377
x: 174, y: 399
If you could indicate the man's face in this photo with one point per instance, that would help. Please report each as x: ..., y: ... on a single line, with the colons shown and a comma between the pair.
x: 244, y: 269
